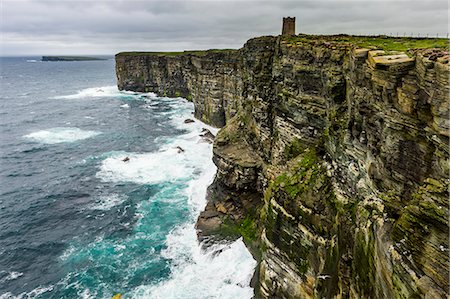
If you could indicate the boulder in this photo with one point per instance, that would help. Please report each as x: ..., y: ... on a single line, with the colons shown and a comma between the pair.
x: 207, y: 135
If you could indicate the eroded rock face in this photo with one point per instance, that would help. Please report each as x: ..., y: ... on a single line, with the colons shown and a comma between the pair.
x: 333, y: 161
x: 211, y: 80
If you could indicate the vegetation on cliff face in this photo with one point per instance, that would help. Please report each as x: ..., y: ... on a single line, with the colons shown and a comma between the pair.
x: 333, y: 160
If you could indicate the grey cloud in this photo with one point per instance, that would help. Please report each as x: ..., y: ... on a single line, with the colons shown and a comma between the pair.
x: 106, y: 27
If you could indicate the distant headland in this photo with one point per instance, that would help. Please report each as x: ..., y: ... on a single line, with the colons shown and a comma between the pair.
x: 70, y: 58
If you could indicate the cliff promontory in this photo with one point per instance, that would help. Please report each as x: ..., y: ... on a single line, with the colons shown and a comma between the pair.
x: 333, y: 159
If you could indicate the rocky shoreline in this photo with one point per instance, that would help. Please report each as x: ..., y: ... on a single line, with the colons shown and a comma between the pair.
x: 333, y: 160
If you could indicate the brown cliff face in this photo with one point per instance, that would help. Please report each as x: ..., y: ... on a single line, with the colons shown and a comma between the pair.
x: 210, y: 79
x: 333, y: 162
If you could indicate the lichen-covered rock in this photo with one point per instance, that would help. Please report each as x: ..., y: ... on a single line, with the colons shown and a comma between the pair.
x: 333, y: 161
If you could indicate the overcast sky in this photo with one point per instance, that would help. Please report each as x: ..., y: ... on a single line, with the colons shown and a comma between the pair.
x: 39, y: 27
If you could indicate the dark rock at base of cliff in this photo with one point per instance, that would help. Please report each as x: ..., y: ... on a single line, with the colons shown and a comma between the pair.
x: 224, y: 212
x: 207, y: 135
x: 189, y: 121
x: 180, y: 149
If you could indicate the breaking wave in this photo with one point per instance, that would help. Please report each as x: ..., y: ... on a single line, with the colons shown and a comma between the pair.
x: 60, y: 135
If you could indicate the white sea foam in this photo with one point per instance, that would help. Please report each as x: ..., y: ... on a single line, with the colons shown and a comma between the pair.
x: 223, y: 271
x: 61, y: 134
x: 93, y: 92
x: 14, y: 275
x: 104, y: 91
x: 11, y: 276
x: 149, y: 168
x: 125, y: 106
x: 177, y: 159
x: 36, y: 293
x: 68, y: 253
x: 107, y: 202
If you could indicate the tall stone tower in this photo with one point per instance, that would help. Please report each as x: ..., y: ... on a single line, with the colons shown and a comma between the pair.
x: 288, y: 26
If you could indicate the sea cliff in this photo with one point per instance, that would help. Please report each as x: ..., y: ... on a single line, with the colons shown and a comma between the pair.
x: 333, y: 158
x: 70, y: 58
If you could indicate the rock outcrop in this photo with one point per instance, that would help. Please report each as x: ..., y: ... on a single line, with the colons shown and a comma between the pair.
x: 333, y: 160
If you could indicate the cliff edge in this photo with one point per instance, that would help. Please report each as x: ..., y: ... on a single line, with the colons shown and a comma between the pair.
x: 333, y: 159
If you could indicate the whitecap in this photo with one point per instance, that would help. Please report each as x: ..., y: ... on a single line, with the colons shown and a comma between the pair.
x: 125, y: 106
x: 14, y: 275
x: 7, y: 295
x: 93, y: 92
x: 68, y: 253
x: 107, y: 202
x: 11, y: 276
x: 105, y: 91
x: 60, y: 135
x: 36, y: 293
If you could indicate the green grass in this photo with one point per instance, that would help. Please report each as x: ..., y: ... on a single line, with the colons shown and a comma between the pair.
x: 191, y: 52
x: 380, y: 42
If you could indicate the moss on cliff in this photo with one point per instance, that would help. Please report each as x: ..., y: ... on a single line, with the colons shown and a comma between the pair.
x: 300, y: 176
x: 247, y: 228
x: 293, y: 149
x: 364, y: 269
x: 288, y: 200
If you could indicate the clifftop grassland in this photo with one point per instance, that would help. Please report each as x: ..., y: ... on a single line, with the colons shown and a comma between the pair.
x: 191, y: 52
x: 332, y: 158
x: 373, y: 42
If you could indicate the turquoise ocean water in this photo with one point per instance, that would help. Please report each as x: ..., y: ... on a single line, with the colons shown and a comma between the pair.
x: 78, y: 222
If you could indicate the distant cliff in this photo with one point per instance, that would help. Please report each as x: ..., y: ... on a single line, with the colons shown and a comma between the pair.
x: 209, y: 78
x: 333, y: 159
x: 70, y: 58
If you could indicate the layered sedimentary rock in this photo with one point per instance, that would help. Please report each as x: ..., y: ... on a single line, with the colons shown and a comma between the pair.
x: 211, y: 79
x: 333, y: 162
